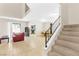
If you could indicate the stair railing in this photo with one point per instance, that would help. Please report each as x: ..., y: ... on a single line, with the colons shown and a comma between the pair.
x: 49, y: 33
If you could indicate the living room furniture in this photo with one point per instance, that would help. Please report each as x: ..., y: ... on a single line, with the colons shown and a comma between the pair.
x: 0, y: 41
x: 4, y: 38
x: 18, y: 37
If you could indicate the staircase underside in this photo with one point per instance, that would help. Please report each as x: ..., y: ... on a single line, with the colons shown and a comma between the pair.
x: 67, y: 43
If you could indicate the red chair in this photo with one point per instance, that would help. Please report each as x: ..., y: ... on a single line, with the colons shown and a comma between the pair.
x: 0, y: 41
x: 18, y: 37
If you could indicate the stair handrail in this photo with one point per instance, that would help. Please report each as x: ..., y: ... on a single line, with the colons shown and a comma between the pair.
x: 53, y: 23
x: 50, y: 33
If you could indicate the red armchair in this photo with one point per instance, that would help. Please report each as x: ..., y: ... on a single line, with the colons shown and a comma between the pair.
x: 18, y: 37
x: 0, y: 41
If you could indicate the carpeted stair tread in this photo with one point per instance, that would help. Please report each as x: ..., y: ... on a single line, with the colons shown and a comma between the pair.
x: 67, y: 44
x: 64, y: 51
x: 53, y: 53
x: 69, y: 38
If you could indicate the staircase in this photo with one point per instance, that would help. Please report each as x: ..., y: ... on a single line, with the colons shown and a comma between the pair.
x: 67, y: 43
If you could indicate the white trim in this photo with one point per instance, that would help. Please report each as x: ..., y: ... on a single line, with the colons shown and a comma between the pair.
x: 13, y: 19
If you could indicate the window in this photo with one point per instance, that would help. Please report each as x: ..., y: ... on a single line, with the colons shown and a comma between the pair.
x: 16, y: 27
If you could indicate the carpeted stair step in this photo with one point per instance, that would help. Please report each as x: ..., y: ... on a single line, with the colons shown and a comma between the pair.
x: 69, y: 38
x: 70, y: 33
x: 67, y: 44
x: 71, y: 29
x: 72, y: 26
x: 65, y: 51
x: 53, y: 53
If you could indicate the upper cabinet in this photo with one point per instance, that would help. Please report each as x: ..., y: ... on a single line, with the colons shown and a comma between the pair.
x: 15, y: 10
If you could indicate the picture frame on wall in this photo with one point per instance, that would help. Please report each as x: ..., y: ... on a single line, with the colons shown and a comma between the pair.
x: 33, y: 28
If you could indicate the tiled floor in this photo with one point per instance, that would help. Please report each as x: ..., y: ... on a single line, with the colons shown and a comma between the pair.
x: 32, y: 46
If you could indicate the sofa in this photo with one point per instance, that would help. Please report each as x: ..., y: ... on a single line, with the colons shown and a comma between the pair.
x: 18, y: 37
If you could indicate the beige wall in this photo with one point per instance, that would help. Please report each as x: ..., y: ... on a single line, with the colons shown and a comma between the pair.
x: 73, y: 13
x: 16, y: 10
x: 64, y: 13
x: 70, y: 13
x: 3, y: 28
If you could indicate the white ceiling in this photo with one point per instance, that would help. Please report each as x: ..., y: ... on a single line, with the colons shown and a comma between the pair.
x: 40, y: 11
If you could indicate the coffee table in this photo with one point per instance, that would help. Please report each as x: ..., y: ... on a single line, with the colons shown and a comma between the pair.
x: 4, y: 38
